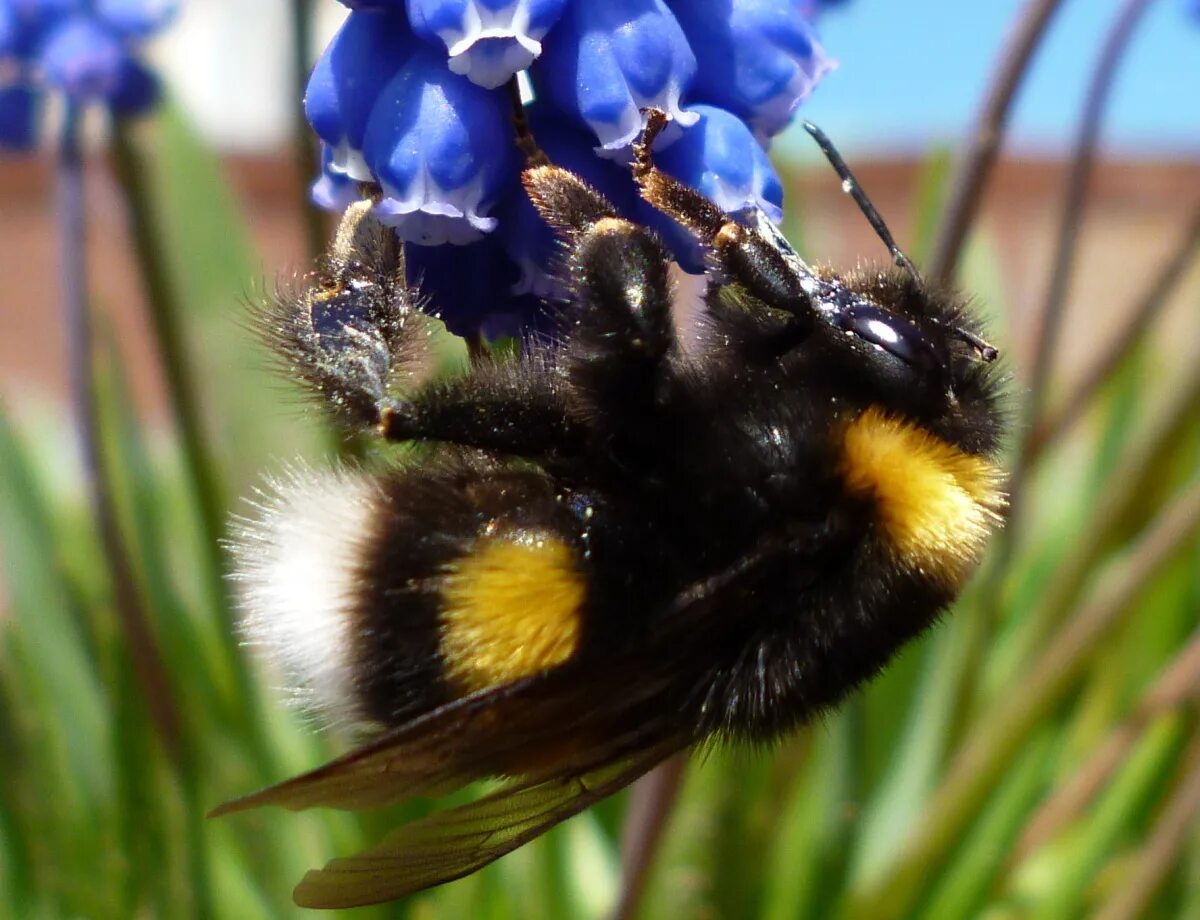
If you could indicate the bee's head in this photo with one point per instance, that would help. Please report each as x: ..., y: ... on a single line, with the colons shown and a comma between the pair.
x: 915, y: 398
x: 904, y: 345
x: 908, y: 350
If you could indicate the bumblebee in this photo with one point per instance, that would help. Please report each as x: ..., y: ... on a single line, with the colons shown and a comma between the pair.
x: 618, y: 544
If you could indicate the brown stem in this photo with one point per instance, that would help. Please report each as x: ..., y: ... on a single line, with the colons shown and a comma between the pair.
x: 1175, y: 826
x: 984, y: 143
x: 523, y: 134
x: 304, y: 143
x: 1050, y: 313
x: 130, y: 609
x: 1178, y: 683
x: 1002, y: 732
x: 1124, y: 498
x: 651, y: 802
x: 1138, y: 320
x: 1083, y: 161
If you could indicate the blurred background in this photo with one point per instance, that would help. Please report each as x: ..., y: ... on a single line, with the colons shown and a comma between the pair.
x: 1037, y: 755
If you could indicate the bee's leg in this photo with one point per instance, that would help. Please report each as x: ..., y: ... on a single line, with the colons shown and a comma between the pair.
x: 746, y: 258
x: 507, y: 406
x: 354, y: 332
x: 618, y: 275
x: 351, y: 323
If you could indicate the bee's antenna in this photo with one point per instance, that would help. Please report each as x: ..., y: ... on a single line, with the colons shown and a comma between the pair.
x: 534, y: 155
x: 850, y: 186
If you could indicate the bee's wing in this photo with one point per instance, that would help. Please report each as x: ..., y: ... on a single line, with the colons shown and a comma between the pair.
x: 456, y: 842
x: 428, y: 756
x: 464, y: 740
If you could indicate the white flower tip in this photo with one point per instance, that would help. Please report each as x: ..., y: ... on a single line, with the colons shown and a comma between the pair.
x: 349, y: 162
x: 490, y: 66
x: 432, y: 216
x: 616, y: 137
x: 330, y: 195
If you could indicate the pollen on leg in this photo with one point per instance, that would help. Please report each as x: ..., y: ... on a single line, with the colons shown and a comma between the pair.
x: 511, y: 608
x: 564, y: 200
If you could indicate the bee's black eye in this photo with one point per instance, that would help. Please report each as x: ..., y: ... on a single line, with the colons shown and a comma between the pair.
x: 893, y: 334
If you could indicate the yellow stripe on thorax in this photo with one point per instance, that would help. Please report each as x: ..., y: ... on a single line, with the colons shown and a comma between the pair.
x: 936, y: 503
x: 511, y: 608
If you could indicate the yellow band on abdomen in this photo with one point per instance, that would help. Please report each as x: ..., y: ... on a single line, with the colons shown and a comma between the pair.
x: 511, y: 608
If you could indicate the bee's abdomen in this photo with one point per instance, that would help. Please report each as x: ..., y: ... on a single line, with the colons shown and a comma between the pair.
x: 418, y: 587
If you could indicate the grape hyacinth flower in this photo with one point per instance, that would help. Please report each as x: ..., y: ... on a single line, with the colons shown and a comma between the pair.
x: 84, y: 49
x: 414, y: 97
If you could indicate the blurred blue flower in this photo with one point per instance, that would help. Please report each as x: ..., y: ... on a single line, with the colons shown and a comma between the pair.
x: 18, y: 117
x: 85, y: 49
x: 409, y: 96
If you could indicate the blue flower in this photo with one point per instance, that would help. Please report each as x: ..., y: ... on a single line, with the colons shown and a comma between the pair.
x: 441, y: 148
x: 720, y: 157
x: 333, y: 190
x: 486, y: 41
x: 84, y: 49
x: 609, y: 60
x: 470, y: 287
x: 409, y: 97
x: 765, y: 60
x: 345, y: 85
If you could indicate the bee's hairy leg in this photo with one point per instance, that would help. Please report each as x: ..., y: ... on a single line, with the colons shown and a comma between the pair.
x: 744, y: 257
x: 351, y: 325
x: 618, y: 274
x: 508, y: 407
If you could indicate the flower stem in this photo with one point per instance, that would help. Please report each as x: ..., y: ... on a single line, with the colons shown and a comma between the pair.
x: 148, y: 665
x: 651, y: 803
x: 1082, y: 164
x: 984, y: 144
x: 135, y: 623
x: 304, y: 148
x: 164, y: 309
x: 1175, y: 826
x: 1138, y: 320
x: 1083, y: 161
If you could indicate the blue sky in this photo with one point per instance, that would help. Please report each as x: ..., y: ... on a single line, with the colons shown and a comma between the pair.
x: 912, y: 73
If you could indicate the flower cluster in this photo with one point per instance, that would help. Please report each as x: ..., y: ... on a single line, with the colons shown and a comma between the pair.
x: 85, y: 49
x: 410, y: 96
